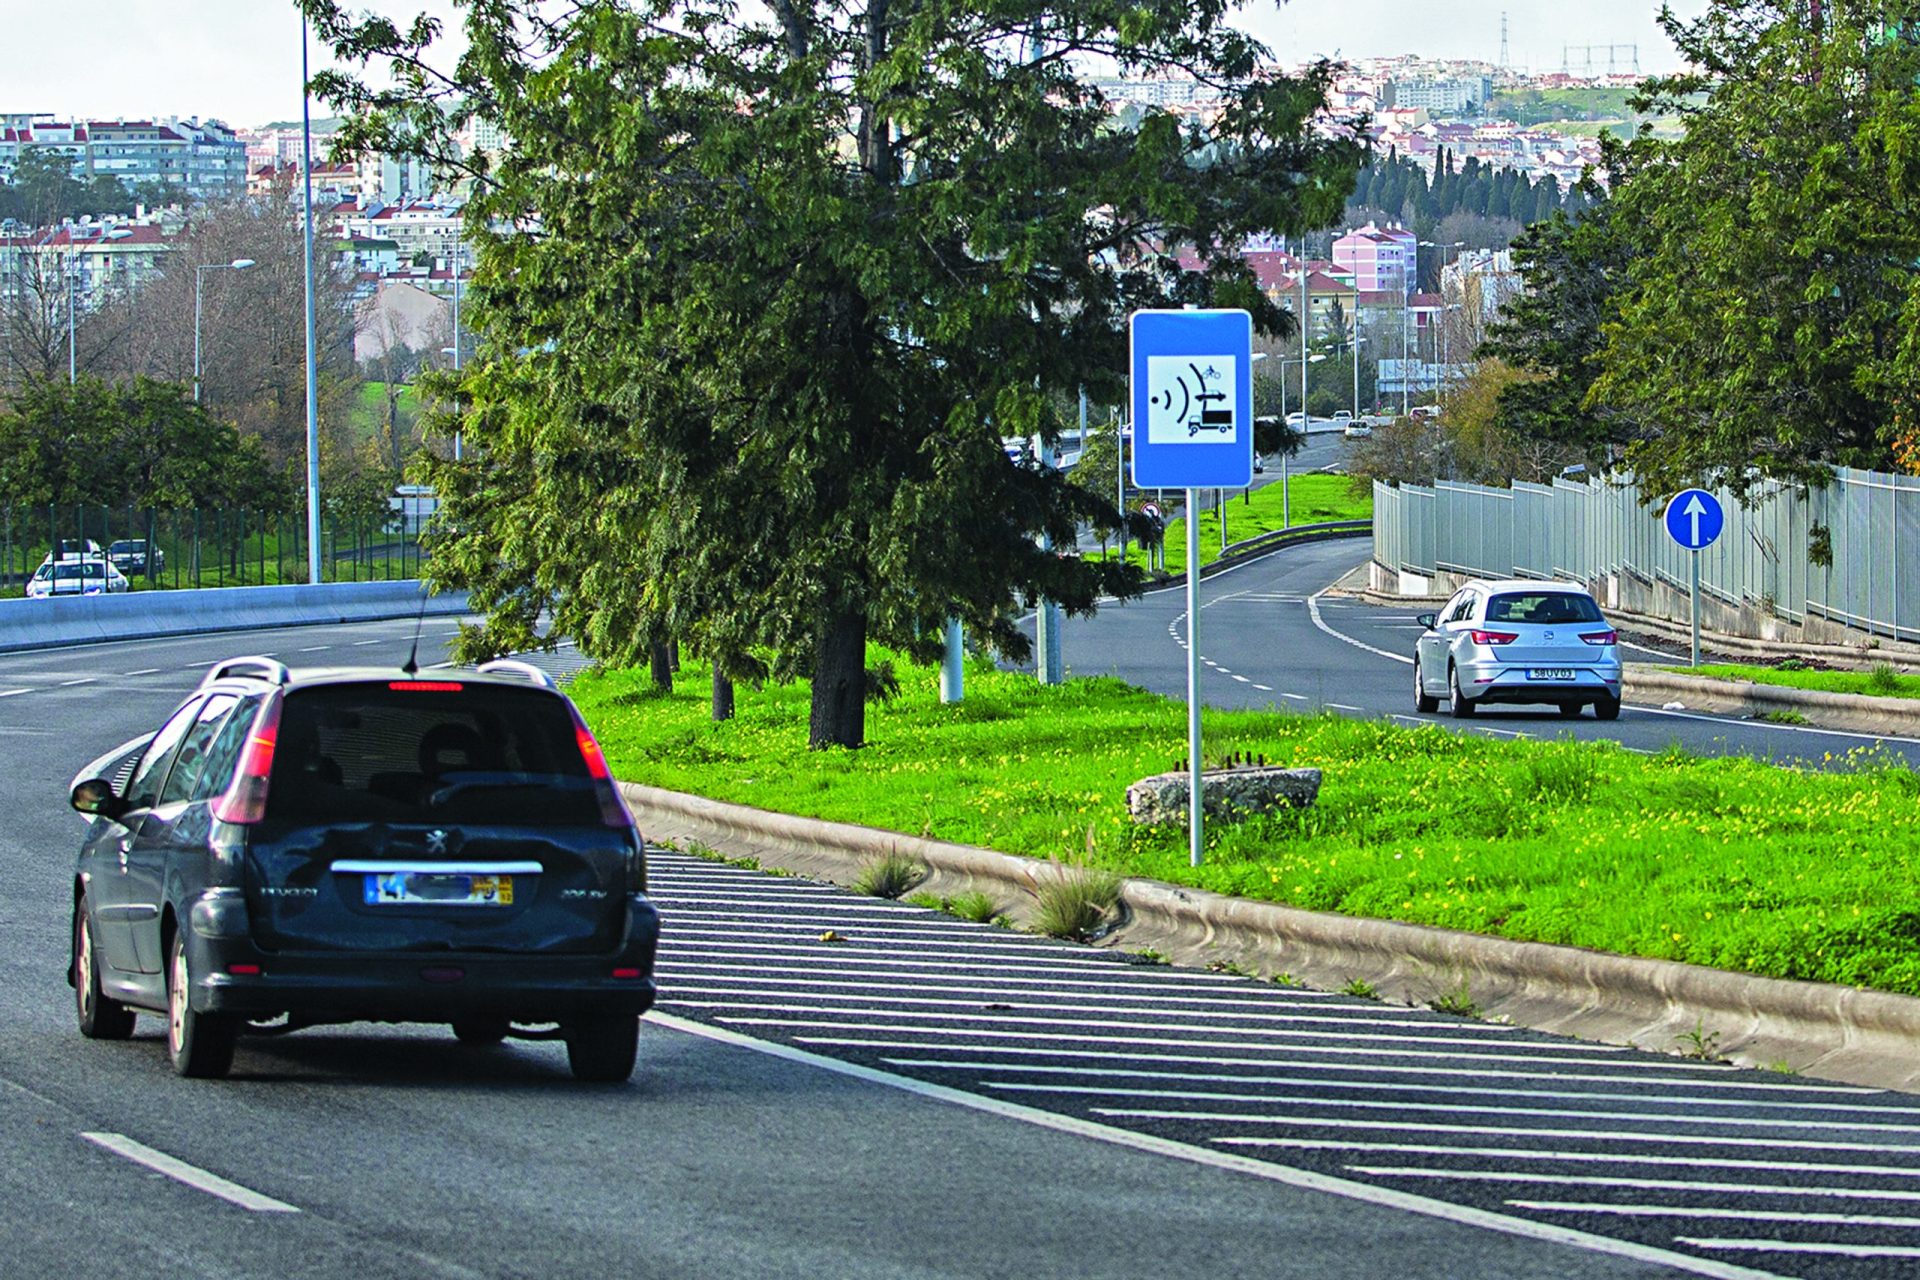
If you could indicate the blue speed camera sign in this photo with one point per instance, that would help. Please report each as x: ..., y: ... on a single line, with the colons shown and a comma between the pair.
x: 1695, y: 518
x: 1192, y: 378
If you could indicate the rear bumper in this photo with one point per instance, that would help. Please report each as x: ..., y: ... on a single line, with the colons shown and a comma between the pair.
x: 390, y: 986
x: 1488, y: 682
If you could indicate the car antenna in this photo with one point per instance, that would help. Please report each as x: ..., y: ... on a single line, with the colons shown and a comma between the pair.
x: 412, y: 665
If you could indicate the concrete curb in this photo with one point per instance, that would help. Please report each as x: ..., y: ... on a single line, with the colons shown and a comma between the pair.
x: 1821, y: 1030
x: 151, y: 615
x: 1856, y: 712
x: 1266, y: 544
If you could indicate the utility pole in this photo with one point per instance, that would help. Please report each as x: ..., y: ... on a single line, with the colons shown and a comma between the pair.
x: 1503, y: 40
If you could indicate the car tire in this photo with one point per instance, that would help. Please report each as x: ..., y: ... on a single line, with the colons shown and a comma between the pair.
x: 1458, y: 704
x: 1423, y: 702
x: 1570, y: 711
x: 1607, y: 708
x: 100, y: 1017
x: 200, y: 1045
x: 481, y: 1033
x: 602, y: 1049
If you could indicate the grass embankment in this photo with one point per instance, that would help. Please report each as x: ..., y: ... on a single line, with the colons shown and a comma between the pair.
x: 1723, y: 862
x: 1311, y: 499
x: 1881, y: 682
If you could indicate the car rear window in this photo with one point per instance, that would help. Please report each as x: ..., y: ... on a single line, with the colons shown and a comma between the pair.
x: 468, y: 753
x: 79, y: 571
x: 1547, y: 607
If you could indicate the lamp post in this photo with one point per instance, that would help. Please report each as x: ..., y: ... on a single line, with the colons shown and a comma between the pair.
x: 1286, y: 506
x: 199, y: 276
x: 313, y: 370
x: 1442, y: 278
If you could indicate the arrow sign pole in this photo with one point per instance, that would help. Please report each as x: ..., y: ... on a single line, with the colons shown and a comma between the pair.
x: 1694, y: 591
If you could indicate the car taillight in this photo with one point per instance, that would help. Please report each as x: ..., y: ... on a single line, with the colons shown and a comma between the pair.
x: 425, y: 686
x: 1600, y: 637
x: 1495, y: 637
x: 613, y: 809
x: 246, y: 800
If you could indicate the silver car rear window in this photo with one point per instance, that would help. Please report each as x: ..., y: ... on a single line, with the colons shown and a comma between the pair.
x: 1546, y: 607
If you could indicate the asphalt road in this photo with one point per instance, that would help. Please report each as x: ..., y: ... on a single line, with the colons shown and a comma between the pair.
x: 371, y: 1151
x: 1270, y: 637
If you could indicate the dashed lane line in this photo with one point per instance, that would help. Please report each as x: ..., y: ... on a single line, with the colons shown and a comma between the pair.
x: 68, y: 684
x: 13, y: 693
x: 190, y: 1175
x: 145, y: 671
x: 1358, y: 1191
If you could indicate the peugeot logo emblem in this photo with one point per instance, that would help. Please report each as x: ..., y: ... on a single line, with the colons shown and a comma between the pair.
x: 436, y: 842
x: 1549, y: 635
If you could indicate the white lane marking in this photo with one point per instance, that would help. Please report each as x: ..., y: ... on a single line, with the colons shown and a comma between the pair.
x: 1313, y: 611
x: 982, y: 990
x: 1079, y: 1071
x: 361, y: 644
x: 966, y: 981
x: 1640, y: 1184
x: 923, y: 958
x: 1058, y: 1005
x: 1383, y: 1196
x: 1796, y: 1246
x: 1264, y: 688
x: 314, y: 648
x: 145, y: 671
x: 68, y: 684
x: 1609, y: 1158
x: 180, y: 1171
x: 1341, y: 706
x: 1294, y: 697
x: 13, y: 693
x: 1701, y: 1211
x: 1000, y: 1020
x: 195, y: 666
x: 1243, y: 680
x: 1584, y: 1135
x: 1194, y: 1077
x: 1555, y: 1113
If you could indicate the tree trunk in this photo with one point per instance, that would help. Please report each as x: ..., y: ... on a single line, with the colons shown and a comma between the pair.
x: 673, y: 655
x: 722, y: 697
x: 661, y: 663
x: 839, y: 716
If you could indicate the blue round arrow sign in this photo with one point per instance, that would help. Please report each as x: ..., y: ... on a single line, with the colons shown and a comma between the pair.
x: 1695, y: 518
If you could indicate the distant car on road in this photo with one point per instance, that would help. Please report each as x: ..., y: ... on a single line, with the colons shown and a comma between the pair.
x: 297, y: 849
x: 90, y: 577
x: 1518, y: 641
x: 136, y: 557
x: 1356, y: 429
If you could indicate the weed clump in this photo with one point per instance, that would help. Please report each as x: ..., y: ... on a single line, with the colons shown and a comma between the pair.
x: 1077, y: 905
x: 889, y: 876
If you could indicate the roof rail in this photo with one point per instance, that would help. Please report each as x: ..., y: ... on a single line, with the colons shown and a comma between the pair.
x: 268, y: 670
x: 525, y: 670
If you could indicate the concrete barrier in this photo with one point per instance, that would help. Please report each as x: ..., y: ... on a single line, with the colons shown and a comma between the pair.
x: 149, y: 615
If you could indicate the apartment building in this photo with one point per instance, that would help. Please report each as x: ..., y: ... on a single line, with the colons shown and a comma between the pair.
x: 1379, y: 259
x: 203, y: 158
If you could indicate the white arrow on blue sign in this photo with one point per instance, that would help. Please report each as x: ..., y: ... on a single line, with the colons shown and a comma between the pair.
x: 1695, y: 518
x: 1192, y: 377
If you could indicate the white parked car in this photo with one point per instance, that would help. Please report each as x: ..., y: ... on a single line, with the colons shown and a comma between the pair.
x: 91, y: 576
x: 1355, y: 430
x: 72, y: 549
x: 1518, y: 641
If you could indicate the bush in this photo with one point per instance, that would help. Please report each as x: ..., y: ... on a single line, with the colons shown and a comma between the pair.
x: 1076, y: 906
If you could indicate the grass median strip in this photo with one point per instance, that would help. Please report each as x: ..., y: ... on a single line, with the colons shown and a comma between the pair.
x: 1724, y: 862
x: 1881, y: 682
x: 1310, y: 499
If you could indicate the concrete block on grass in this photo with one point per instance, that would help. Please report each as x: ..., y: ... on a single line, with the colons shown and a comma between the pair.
x: 1225, y: 793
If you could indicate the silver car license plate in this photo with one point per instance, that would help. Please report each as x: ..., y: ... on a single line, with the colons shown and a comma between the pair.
x: 1549, y: 673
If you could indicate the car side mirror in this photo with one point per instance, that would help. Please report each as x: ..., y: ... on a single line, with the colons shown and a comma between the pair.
x: 1427, y: 620
x: 95, y: 797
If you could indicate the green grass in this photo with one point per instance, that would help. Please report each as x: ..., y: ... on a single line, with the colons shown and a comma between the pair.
x: 1311, y: 499
x: 1726, y: 862
x: 365, y: 417
x: 1881, y: 682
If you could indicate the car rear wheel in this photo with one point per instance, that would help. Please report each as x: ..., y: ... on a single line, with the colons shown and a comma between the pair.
x: 100, y: 1017
x: 602, y: 1050
x: 1423, y: 702
x: 480, y: 1032
x: 1607, y: 708
x: 1457, y: 702
x: 200, y: 1044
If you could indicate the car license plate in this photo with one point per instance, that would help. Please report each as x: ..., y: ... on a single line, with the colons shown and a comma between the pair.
x: 437, y: 888
x: 1549, y: 673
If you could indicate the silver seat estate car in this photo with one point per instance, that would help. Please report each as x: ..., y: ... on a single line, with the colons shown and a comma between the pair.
x: 1518, y: 642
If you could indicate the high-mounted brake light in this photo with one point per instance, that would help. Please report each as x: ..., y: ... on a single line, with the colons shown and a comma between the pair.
x: 425, y: 686
x: 246, y: 800
x: 1495, y: 637
x: 1601, y: 637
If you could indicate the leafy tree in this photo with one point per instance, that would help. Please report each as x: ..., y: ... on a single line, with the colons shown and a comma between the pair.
x: 45, y: 189
x: 139, y: 443
x: 761, y: 295
x: 1552, y: 333
x: 1759, y: 333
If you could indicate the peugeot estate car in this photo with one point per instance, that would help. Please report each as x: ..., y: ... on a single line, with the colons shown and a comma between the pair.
x: 292, y: 849
x: 1518, y: 642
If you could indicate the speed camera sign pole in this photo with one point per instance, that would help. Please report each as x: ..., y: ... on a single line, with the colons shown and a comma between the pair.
x: 1192, y: 381
x: 1694, y: 519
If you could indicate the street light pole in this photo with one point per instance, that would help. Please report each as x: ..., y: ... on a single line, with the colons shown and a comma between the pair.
x: 313, y: 370
x: 199, y: 276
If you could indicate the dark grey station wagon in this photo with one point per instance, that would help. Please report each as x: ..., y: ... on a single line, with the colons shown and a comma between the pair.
x: 301, y: 848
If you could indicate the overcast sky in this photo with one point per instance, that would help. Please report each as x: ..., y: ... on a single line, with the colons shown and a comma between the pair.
x: 239, y: 60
